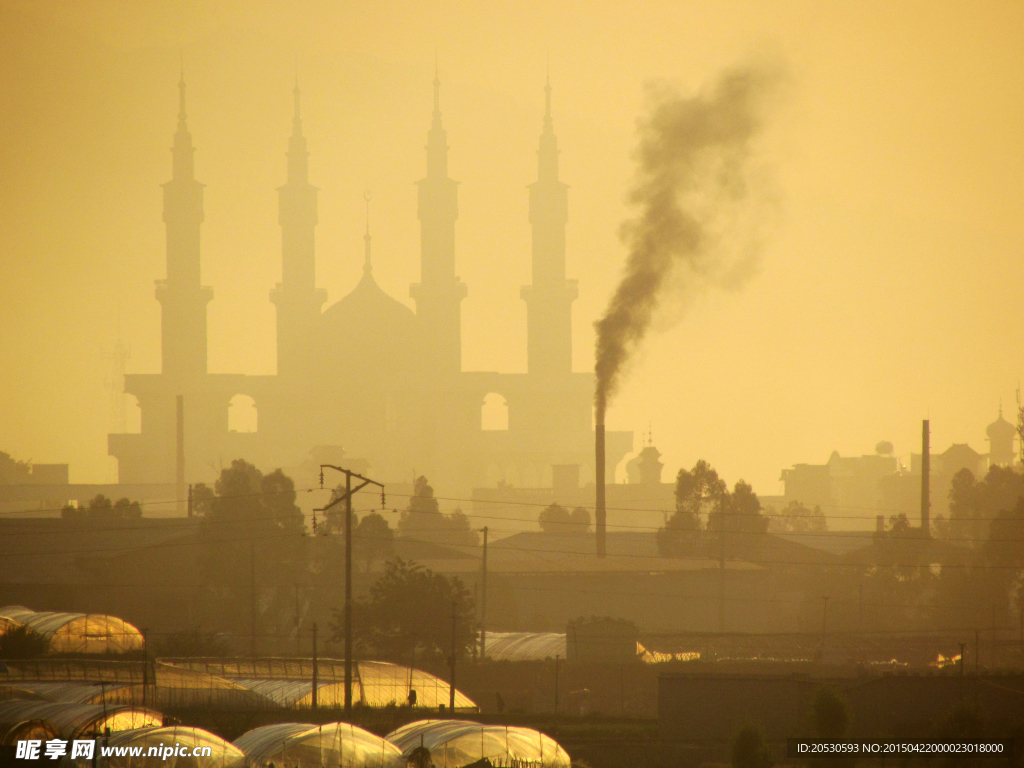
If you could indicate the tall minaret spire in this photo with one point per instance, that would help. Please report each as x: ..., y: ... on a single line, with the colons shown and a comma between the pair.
x: 439, y: 293
x: 182, y: 296
x: 549, y: 299
x: 296, y: 296
x: 367, y: 263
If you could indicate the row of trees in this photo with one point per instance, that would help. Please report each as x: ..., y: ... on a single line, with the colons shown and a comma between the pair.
x: 252, y: 531
x: 709, y: 518
x: 102, y: 508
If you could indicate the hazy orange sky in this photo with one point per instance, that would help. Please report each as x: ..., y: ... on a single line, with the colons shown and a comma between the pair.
x: 888, y: 291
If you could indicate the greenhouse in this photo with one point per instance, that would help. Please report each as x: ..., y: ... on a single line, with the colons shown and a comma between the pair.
x: 525, y: 646
x: 77, y: 632
x: 70, y: 721
x: 82, y: 692
x: 288, y: 682
x: 174, y: 747
x: 454, y: 743
x: 302, y: 745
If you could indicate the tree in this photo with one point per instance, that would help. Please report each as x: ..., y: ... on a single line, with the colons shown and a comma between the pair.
x: 424, y: 520
x: 737, y: 522
x: 555, y: 519
x: 252, y: 518
x: 13, y: 471
x: 797, y: 518
x: 410, y: 607
x: 830, y: 719
x: 372, y: 539
x: 22, y: 643
x: 101, y: 508
x: 749, y: 749
x: 830, y: 714
x: 696, y: 491
x: 963, y: 507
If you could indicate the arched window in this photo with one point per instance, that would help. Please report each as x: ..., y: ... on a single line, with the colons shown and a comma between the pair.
x: 242, y: 414
x: 494, y: 413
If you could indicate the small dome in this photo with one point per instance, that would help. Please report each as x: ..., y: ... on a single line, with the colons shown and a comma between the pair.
x: 1000, y: 428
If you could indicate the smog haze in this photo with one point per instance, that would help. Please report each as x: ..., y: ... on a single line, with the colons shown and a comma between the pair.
x: 886, y: 294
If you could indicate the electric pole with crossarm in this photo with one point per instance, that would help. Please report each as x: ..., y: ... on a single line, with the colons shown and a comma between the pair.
x: 347, y: 498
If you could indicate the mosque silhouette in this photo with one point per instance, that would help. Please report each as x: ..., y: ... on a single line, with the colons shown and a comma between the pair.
x: 366, y: 377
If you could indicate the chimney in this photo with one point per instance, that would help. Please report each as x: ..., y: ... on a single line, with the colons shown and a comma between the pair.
x: 925, y: 479
x: 179, y: 479
x: 600, y: 512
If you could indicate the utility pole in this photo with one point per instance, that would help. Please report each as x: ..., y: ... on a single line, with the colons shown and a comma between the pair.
x: 298, y: 636
x: 145, y: 668
x: 315, y: 681
x: 860, y: 606
x: 962, y: 646
x: 824, y: 625
x: 721, y: 581
x: 483, y: 604
x: 926, y: 462
x: 451, y: 686
x: 994, y: 661
x: 252, y: 599
x: 556, y: 683
x: 179, y: 463
x: 347, y: 498
x: 977, y: 653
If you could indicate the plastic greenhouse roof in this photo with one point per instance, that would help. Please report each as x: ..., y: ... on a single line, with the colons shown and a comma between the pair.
x: 78, y: 692
x: 525, y: 646
x: 374, y: 683
x: 78, y: 632
x: 459, y: 742
x: 223, y: 754
x: 336, y: 744
x: 72, y: 720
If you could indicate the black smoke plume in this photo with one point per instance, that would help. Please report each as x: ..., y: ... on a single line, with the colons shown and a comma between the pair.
x: 696, y: 197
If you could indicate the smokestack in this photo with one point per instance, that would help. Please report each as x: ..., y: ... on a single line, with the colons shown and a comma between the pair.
x: 179, y: 479
x: 599, y: 511
x: 925, y: 479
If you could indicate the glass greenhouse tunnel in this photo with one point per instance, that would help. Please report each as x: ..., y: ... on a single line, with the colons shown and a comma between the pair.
x: 454, y: 743
x: 223, y: 754
x: 70, y: 721
x: 77, y: 632
x: 288, y: 682
x: 525, y: 646
x: 303, y: 745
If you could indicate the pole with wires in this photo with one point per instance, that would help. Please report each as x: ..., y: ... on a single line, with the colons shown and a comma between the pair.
x: 483, y: 604
x: 451, y: 660
x: 347, y: 498
x: 252, y: 599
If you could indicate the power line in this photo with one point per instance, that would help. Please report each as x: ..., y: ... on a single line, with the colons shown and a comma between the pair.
x: 481, y: 515
x: 512, y: 503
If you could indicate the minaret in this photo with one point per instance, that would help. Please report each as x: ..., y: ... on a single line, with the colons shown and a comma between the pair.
x: 297, y: 299
x: 182, y: 296
x: 549, y: 299
x: 439, y: 293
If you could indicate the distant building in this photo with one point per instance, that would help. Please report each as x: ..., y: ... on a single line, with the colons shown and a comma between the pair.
x: 367, y: 375
x: 642, y: 503
x: 1001, y: 436
x: 841, y: 486
x: 852, y: 491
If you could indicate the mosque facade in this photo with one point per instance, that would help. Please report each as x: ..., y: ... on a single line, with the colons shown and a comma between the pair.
x: 366, y: 377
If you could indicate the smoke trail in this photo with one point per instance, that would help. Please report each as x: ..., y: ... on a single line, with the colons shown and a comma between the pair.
x: 694, y: 194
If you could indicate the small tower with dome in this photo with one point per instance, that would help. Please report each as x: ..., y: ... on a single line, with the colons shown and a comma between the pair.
x: 1001, y: 435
